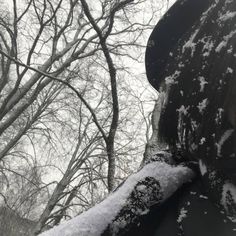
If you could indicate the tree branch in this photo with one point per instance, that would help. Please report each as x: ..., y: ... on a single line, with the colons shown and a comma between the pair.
x: 66, y: 84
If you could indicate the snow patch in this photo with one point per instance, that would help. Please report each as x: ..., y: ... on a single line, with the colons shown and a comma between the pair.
x: 169, y: 80
x: 202, y: 105
x: 208, y: 46
x: 203, y: 82
x: 182, y: 215
x: 203, y: 197
x: 190, y: 43
x: 183, y: 110
x: 205, y: 14
x: 219, y: 114
x: 141, y: 188
x: 202, y: 140
x: 229, y: 70
x: 225, y: 41
x: 227, y: 16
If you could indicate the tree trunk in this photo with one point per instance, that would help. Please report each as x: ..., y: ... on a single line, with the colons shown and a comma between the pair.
x: 111, y: 166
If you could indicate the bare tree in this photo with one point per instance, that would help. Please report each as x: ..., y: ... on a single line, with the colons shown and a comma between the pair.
x: 61, y: 65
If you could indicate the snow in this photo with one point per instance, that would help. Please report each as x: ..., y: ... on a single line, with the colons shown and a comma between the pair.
x: 169, y: 80
x: 190, y: 43
x: 224, y: 43
x: 94, y: 221
x: 182, y: 215
x: 227, y: 16
x: 141, y: 188
x: 181, y: 64
x: 183, y: 110
x: 229, y: 70
x: 230, y: 50
x: 203, y: 197
x: 208, y: 46
x: 205, y: 14
x: 202, y: 105
x: 202, y: 140
x: 203, y: 82
x: 219, y: 113
x: 223, y: 139
x: 221, y: 45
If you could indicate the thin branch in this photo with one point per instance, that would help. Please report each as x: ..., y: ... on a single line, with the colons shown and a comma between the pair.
x: 66, y: 84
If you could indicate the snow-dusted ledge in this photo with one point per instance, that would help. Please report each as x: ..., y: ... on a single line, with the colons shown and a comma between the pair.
x: 97, y: 219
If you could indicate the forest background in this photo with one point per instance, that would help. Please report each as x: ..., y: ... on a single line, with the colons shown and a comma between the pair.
x: 75, y: 105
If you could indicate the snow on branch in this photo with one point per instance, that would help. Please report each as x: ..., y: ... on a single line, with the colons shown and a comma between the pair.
x: 151, y: 185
